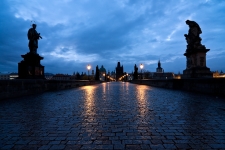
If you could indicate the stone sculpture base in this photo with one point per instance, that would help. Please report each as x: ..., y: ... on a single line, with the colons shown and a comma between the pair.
x: 196, y: 64
x: 197, y: 72
x: 30, y: 67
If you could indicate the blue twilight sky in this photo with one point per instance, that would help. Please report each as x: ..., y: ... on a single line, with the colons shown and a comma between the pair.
x: 102, y: 32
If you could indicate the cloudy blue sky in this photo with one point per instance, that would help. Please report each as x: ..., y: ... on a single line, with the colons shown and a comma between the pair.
x: 102, y: 32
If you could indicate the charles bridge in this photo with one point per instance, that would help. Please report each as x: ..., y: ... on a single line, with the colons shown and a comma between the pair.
x: 48, y: 114
x: 115, y: 115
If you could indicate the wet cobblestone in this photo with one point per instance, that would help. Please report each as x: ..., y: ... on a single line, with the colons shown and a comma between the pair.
x: 113, y: 116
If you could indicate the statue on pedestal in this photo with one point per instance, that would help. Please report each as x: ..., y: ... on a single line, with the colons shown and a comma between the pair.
x: 193, y: 37
x: 30, y: 67
x: 33, y: 37
x: 195, y: 53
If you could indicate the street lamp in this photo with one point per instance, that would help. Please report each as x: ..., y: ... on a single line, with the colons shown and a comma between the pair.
x: 88, y: 67
x: 141, y: 66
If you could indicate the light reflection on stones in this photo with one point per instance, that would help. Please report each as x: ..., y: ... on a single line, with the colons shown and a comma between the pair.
x: 142, y: 100
x: 127, y: 87
x: 89, y: 104
x: 108, y: 85
x: 126, y: 113
x: 104, y: 88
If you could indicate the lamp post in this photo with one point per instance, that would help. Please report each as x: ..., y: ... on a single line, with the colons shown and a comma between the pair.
x: 141, y: 66
x: 88, y: 67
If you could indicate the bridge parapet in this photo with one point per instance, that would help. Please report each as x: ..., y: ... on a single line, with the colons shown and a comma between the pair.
x: 214, y: 86
x: 22, y: 87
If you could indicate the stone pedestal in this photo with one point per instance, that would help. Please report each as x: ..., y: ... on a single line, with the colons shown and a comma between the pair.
x: 30, y: 67
x: 196, y: 64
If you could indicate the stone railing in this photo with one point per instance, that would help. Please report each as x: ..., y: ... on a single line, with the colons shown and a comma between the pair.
x: 21, y: 87
x: 215, y: 86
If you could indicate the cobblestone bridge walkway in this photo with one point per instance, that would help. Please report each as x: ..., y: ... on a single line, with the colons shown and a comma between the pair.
x: 113, y: 116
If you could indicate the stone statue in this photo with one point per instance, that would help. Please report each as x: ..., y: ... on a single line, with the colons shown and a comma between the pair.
x: 33, y: 37
x: 193, y: 37
x: 189, y: 62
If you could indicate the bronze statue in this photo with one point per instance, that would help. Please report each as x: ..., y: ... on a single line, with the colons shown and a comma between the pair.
x: 193, y: 37
x: 33, y: 37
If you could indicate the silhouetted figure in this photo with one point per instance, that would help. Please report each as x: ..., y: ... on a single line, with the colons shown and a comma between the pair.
x: 135, y: 72
x: 195, y: 53
x: 193, y: 37
x: 30, y: 67
x: 78, y: 76
x: 33, y: 37
x: 97, y: 73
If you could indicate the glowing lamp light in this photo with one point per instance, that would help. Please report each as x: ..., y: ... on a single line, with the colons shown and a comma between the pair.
x: 141, y: 66
x: 88, y: 67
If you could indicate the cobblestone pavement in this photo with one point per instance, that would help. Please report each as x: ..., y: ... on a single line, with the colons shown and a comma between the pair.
x: 113, y: 116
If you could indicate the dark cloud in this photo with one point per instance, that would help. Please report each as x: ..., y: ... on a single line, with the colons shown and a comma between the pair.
x: 11, y: 37
x: 85, y: 32
x: 108, y: 36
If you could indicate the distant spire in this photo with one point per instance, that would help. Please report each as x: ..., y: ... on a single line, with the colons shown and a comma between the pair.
x: 118, y: 64
x: 159, y: 64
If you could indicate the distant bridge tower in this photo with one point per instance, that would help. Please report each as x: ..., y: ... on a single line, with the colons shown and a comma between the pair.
x: 159, y: 69
x: 119, y: 71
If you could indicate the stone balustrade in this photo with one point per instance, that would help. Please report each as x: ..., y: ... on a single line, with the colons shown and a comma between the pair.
x: 215, y: 86
x: 21, y: 87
